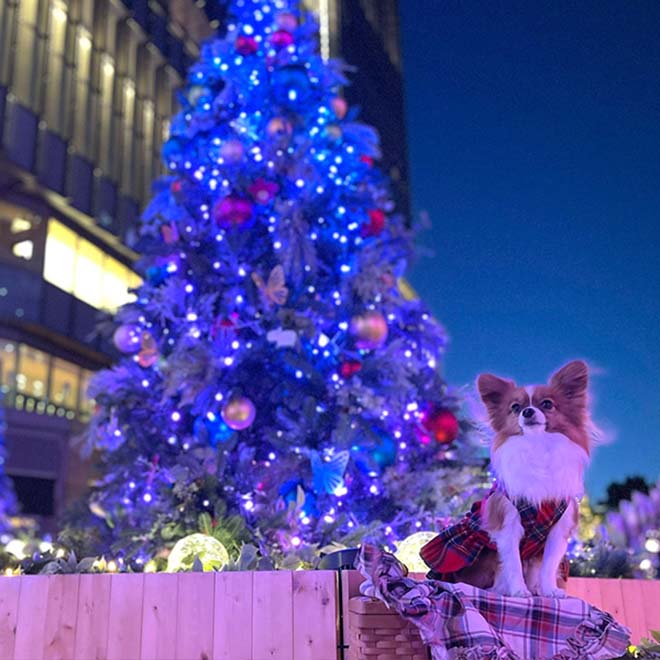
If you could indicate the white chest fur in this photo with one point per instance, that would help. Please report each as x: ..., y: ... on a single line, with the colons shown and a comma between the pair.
x: 541, y: 466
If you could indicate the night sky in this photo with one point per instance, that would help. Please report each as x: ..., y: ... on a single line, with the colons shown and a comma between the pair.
x: 534, y: 133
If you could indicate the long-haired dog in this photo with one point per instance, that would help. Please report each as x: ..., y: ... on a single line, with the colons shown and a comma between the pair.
x: 514, y: 540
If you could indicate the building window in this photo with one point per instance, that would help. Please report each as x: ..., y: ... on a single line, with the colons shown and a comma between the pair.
x: 26, y: 77
x: 32, y: 376
x: 106, y: 89
x: 82, y: 128
x: 79, y: 267
x: 39, y: 382
x: 127, y: 153
x: 8, y: 356
x: 56, y: 100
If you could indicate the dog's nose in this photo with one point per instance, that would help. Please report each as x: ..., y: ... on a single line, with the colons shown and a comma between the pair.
x: 528, y: 412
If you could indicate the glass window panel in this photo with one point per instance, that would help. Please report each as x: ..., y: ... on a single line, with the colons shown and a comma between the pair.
x: 8, y: 352
x: 83, y: 63
x: 64, y: 381
x: 89, y: 273
x: 105, y: 121
x: 56, y: 96
x: 60, y: 257
x: 86, y: 403
x: 32, y: 377
x: 115, y: 284
x: 24, y: 80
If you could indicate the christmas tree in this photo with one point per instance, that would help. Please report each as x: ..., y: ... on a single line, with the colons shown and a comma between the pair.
x: 275, y: 380
x: 8, y: 505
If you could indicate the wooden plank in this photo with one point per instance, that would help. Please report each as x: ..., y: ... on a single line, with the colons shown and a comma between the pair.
x: 272, y: 616
x: 10, y: 589
x: 315, y: 617
x: 30, y: 628
x: 633, y: 602
x: 125, y: 619
x: 575, y: 587
x: 61, y: 617
x: 195, y: 616
x: 591, y: 592
x: 350, y: 587
x: 612, y: 598
x: 91, y: 641
x: 651, y: 594
x: 159, y: 612
x: 233, y: 611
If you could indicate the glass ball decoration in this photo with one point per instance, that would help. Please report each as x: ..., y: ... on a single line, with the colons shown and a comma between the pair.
x: 246, y: 45
x: 209, y: 550
x: 232, y: 212
x: 128, y: 338
x: 441, y: 424
x: 281, y: 39
x: 369, y: 329
x: 239, y: 413
x: 375, y: 225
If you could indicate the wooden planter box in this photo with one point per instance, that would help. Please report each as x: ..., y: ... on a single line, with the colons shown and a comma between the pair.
x: 282, y: 615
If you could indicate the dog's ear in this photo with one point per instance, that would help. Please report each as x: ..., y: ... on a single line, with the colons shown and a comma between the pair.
x: 572, y: 380
x: 492, y: 390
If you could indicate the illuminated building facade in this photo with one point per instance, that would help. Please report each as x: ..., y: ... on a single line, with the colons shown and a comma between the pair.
x: 87, y: 89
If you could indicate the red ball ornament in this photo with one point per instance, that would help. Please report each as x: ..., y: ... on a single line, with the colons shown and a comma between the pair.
x: 281, y: 39
x: 233, y: 212
x: 375, y: 225
x: 263, y: 191
x: 441, y: 424
x: 246, y: 45
x: 370, y: 329
x: 367, y: 160
x: 285, y: 20
x: 339, y: 107
x: 239, y: 413
x: 349, y: 368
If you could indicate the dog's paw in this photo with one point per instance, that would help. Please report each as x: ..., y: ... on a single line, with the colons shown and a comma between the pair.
x: 552, y: 592
x: 514, y: 590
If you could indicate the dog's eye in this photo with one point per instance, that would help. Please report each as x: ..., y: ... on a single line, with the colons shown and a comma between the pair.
x: 546, y: 404
x: 515, y: 408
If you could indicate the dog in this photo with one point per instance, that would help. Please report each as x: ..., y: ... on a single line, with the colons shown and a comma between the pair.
x: 514, y: 540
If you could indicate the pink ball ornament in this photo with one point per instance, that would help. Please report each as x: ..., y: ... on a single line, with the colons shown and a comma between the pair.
x: 128, y: 338
x: 239, y: 413
x: 246, y: 45
x: 370, y: 330
x: 232, y: 151
x: 281, y: 39
x: 233, y: 212
x: 285, y: 20
x: 339, y: 107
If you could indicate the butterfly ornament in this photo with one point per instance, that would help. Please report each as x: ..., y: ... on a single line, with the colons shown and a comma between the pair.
x: 273, y: 291
x: 328, y: 471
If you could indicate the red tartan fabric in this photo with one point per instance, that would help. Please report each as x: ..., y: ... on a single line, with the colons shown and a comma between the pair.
x: 461, y: 544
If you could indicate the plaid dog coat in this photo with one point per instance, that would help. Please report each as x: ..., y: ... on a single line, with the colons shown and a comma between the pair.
x: 461, y: 544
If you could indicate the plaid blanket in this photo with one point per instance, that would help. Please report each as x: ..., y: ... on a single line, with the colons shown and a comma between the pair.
x: 461, y: 544
x: 460, y: 622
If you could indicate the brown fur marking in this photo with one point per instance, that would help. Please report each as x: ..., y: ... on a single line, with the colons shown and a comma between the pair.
x: 493, y: 514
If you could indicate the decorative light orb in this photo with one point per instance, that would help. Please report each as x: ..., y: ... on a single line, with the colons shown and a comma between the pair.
x: 652, y: 545
x: 645, y: 564
x: 16, y: 547
x: 210, y: 551
x: 370, y: 329
x: 407, y: 551
x: 128, y: 338
x: 232, y: 151
x: 239, y: 413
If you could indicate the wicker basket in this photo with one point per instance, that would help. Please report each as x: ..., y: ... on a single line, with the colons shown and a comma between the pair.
x: 377, y: 633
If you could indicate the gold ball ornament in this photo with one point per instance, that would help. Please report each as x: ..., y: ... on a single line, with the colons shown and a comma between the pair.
x: 210, y: 551
x: 370, y: 329
x: 239, y: 413
x: 407, y: 551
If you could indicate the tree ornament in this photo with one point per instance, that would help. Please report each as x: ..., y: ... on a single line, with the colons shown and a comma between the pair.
x: 367, y: 160
x: 339, y: 107
x: 441, y: 424
x: 370, y: 329
x: 239, y: 413
x: 209, y: 550
x: 246, y: 45
x: 407, y: 551
x: 170, y: 233
x: 349, y: 368
x: 285, y: 20
x: 233, y: 212
x: 128, y: 338
x: 232, y: 151
x: 334, y: 132
x: 263, y: 191
x: 148, y: 354
x: 375, y: 225
x: 281, y: 39
x: 290, y: 85
x: 374, y: 452
x: 197, y: 92
x: 279, y: 127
